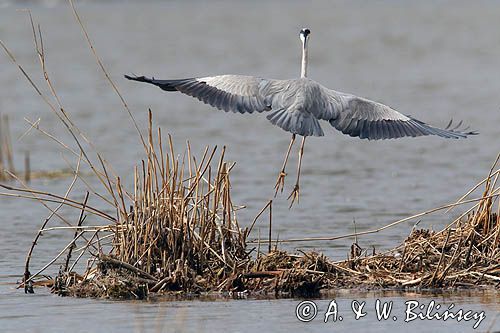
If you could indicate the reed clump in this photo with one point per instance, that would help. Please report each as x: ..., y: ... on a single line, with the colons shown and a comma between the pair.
x: 177, y: 242
x: 179, y: 233
x: 176, y: 230
x: 465, y: 254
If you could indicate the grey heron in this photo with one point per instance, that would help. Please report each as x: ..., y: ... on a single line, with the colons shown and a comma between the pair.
x: 297, y: 105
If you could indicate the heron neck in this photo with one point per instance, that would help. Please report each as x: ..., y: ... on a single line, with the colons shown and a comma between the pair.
x: 303, y: 71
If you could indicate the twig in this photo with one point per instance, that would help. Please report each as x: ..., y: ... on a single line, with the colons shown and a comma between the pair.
x: 270, y: 224
x: 107, y: 259
x: 308, y: 239
x: 77, y: 230
x: 108, y: 77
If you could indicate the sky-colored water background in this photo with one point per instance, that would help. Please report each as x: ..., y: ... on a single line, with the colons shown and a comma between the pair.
x: 433, y: 60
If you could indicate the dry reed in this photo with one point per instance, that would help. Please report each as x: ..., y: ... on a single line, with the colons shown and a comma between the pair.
x: 8, y: 170
x: 6, y: 151
x: 464, y: 254
x: 179, y: 232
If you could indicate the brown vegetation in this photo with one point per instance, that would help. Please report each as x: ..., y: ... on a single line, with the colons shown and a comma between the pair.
x: 182, y: 235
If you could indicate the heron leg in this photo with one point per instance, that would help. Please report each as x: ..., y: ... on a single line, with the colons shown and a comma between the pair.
x: 295, y: 192
x: 280, y: 182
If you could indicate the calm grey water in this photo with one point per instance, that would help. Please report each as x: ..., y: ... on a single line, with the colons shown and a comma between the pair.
x: 433, y: 60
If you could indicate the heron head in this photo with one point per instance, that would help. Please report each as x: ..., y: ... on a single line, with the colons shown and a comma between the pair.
x: 304, y: 33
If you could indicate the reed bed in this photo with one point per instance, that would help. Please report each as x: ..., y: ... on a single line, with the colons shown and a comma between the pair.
x: 180, y: 232
x: 465, y: 254
x: 176, y: 231
x: 182, y: 236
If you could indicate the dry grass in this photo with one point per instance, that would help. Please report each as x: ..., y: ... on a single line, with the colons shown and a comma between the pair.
x: 176, y: 229
x: 464, y: 254
x: 181, y: 231
x: 153, y: 252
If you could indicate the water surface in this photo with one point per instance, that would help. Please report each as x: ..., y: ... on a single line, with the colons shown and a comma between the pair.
x: 433, y: 60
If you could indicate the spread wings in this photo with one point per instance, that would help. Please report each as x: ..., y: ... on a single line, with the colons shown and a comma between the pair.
x: 297, y: 105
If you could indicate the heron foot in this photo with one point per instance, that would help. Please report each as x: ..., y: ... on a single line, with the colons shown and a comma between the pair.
x: 280, y: 182
x: 294, y: 195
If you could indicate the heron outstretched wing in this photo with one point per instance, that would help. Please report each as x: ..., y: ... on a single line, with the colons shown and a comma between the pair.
x: 247, y: 94
x: 297, y: 105
x: 360, y: 117
x: 236, y: 93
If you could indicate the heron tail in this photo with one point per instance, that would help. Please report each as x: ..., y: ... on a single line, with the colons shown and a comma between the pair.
x: 297, y: 122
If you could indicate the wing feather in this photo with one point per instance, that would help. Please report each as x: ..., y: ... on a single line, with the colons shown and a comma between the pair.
x: 236, y: 93
x: 357, y: 116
